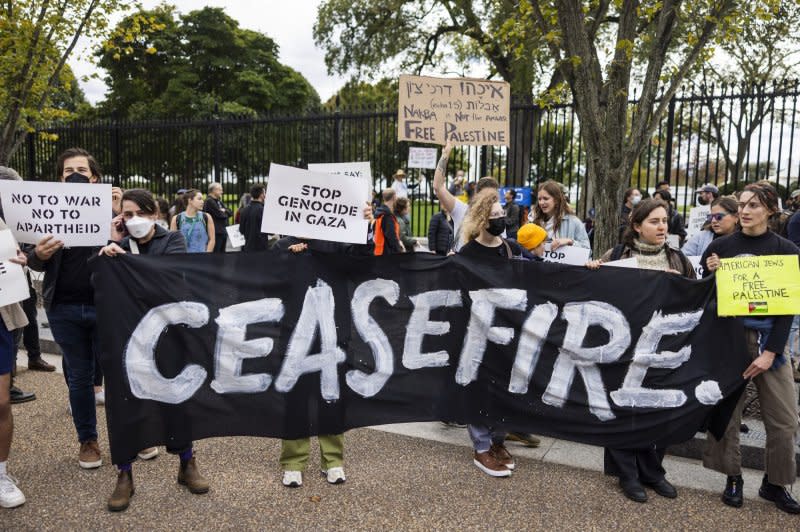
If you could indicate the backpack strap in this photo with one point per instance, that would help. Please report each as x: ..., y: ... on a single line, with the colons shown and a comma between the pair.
x: 508, y: 249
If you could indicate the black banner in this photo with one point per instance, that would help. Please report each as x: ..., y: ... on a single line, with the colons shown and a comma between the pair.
x: 279, y: 345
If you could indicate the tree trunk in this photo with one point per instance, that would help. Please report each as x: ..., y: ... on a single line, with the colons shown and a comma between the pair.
x: 606, y: 204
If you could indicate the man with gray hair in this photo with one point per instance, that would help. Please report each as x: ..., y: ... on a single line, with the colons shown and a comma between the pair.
x: 30, y: 333
x: 220, y: 213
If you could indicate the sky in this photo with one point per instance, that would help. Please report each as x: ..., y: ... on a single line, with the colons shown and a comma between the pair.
x: 288, y: 23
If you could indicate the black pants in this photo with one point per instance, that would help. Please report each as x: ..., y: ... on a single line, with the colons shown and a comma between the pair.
x: 220, y: 239
x: 631, y: 464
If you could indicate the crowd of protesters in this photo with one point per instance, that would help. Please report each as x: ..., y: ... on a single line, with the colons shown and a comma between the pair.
x: 472, y: 222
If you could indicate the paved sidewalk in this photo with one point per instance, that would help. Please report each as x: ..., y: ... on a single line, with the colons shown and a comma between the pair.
x: 417, y: 477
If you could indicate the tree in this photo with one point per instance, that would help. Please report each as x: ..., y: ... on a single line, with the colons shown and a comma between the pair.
x: 612, y: 137
x: 356, y: 93
x: 197, y: 65
x: 36, y: 39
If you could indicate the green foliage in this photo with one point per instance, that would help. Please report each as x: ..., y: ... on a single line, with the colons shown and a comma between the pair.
x: 355, y: 94
x: 197, y: 65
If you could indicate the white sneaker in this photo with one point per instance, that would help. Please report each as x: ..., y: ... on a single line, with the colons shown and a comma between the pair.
x: 334, y: 475
x: 10, y: 494
x: 100, y: 397
x: 292, y: 479
x: 148, y: 454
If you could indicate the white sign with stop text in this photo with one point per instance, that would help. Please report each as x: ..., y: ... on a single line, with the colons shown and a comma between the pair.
x: 312, y: 205
x: 78, y: 214
x: 567, y: 255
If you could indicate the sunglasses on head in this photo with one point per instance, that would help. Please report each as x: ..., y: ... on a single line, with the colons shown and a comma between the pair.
x: 716, y: 217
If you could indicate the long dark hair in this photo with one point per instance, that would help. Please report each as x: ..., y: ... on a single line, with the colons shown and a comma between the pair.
x: 560, y: 209
x: 143, y: 199
x: 726, y: 202
x: 638, y: 216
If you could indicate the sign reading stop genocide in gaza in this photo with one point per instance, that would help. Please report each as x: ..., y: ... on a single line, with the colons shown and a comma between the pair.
x: 460, y: 110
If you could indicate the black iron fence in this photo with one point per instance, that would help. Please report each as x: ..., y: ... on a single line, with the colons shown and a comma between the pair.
x: 728, y: 136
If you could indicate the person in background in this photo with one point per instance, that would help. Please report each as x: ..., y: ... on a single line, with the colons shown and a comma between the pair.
x: 645, y: 239
x: 707, y: 194
x: 722, y: 220
x: 663, y: 185
x: 512, y: 214
x: 163, y: 213
x: 402, y: 208
x: 399, y: 184
x: 387, y: 229
x: 244, y: 201
x: 11, y: 318
x: 766, y: 338
x: 178, y: 204
x: 250, y: 222
x: 146, y: 237
x: 630, y: 199
x: 197, y: 226
x: 440, y: 232
x: 532, y: 238
x: 457, y: 188
x: 675, y: 221
x: 554, y: 214
x: 215, y: 208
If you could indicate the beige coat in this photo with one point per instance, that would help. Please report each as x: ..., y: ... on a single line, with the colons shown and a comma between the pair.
x: 13, y: 316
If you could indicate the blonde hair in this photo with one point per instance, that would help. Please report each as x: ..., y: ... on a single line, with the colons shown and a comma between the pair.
x: 478, y: 216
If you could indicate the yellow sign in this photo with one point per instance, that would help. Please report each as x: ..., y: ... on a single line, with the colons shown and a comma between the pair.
x: 758, y: 286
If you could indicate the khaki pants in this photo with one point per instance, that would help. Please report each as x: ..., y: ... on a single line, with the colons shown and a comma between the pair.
x: 776, y: 395
x: 294, y: 453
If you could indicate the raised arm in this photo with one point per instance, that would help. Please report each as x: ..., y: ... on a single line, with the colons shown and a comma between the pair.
x: 440, y: 182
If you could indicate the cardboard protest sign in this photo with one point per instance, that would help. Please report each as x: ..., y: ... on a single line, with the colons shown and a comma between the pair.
x: 697, y: 218
x: 13, y: 284
x: 313, y: 205
x: 234, y: 236
x: 77, y: 214
x: 758, y: 286
x: 422, y: 158
x: 567, y: 255
x: 461, y: 110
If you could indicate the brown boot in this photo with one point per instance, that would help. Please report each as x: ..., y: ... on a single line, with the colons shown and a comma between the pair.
x: 190, y: 476
x: 123, y: 492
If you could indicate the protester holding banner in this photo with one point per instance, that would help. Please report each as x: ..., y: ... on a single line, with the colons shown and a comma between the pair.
x: 766, y: 339
x: 532, y: 237
x: 482, y: 228
x: 402, y: 208
x: 145, y: 237
x: 12, y: 318
x: 723, y: 220
x: 645, y: 239
x: 552, y: 211
x: 440, y: 232
x: 675, y: 221
x: 69, y: 302
x: 630, y: 199
x: 197, y: 226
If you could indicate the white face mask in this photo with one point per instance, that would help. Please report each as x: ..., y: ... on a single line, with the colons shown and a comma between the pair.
x: 635, y: 199
x: 138, y: 227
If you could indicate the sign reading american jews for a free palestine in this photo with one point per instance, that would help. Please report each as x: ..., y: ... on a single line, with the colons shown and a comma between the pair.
x: 459, y: 110
x: 280, y: 345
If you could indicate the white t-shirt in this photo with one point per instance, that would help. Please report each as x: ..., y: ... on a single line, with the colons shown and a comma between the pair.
x: 400, y: 188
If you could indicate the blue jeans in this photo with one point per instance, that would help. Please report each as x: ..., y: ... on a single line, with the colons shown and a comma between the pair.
x: 483, y: 437
x: 75, y: 330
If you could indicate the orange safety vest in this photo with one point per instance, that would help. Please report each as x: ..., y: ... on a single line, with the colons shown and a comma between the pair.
x: 378, y: 237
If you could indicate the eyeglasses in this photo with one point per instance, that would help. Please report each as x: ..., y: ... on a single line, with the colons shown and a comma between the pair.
x: 716, y: 217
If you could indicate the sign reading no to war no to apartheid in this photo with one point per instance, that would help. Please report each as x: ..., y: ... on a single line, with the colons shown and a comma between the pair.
x: 75, y: 213
x: 315, y: 205
x: 461, y: 110
x: 758, y: 286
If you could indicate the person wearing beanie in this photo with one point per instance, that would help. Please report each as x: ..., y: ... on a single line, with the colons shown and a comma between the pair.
x: 531, y: 237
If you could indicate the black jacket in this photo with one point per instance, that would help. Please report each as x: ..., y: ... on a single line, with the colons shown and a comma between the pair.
x: 391, y: 242
x: 440, y: 234
x: 218, y: 212
x: 324, y: 246
x: 51, y: 269
x: 512, y: 217
x: 163, y: 243
x: 250, y: 227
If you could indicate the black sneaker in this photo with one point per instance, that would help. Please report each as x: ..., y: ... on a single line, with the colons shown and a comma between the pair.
x: 732, y: 496
x: 780, y: 496
x: 18, y: 396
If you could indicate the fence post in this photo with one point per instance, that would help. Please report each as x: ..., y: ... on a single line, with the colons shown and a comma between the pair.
x: 116, y: 156
x: 668, y: 149
x: 337, y: 133
x: 31, y: 140
x: 217, y: 145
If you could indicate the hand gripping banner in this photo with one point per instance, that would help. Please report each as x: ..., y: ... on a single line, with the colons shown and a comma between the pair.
x: 277, y: 345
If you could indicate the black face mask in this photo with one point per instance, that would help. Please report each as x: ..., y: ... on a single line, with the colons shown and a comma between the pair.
x: 496, y: 226
x: 75, y: 177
